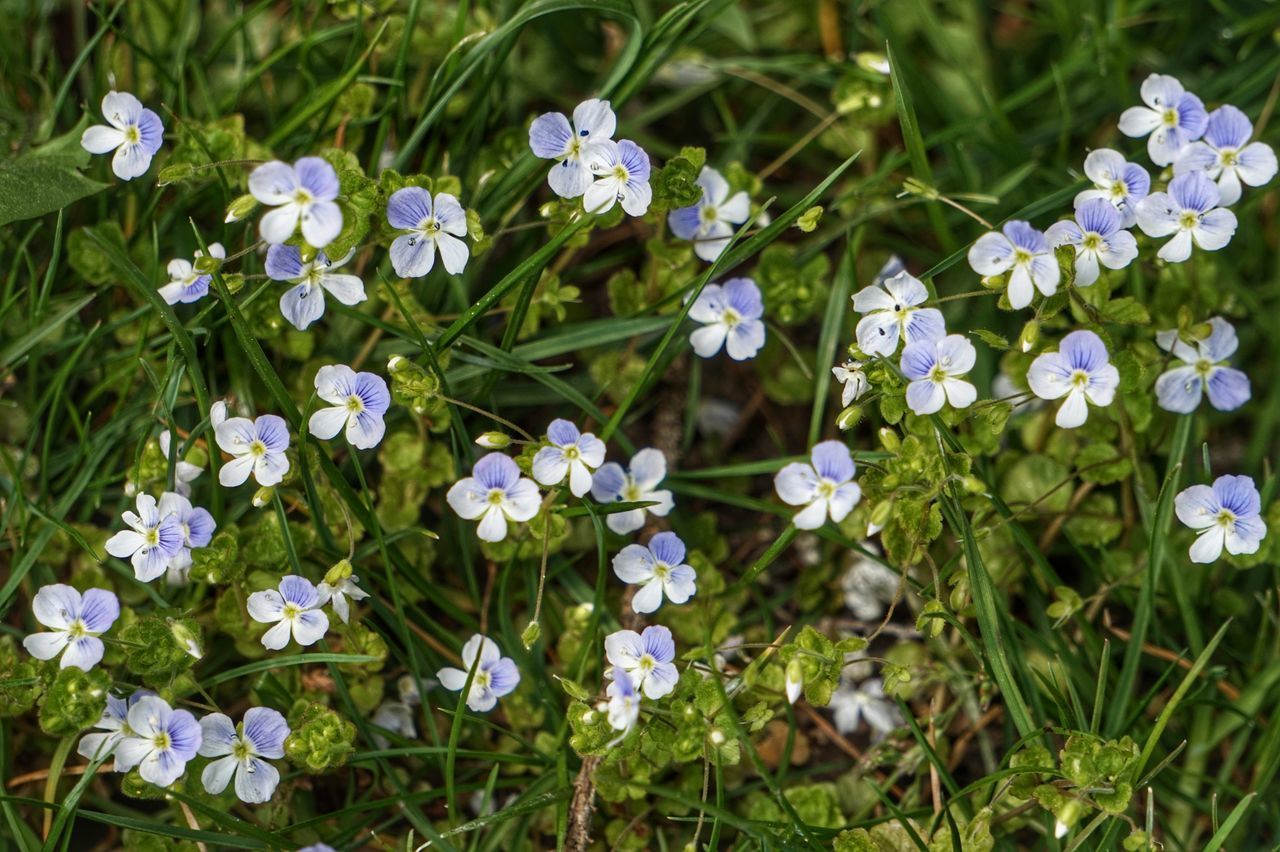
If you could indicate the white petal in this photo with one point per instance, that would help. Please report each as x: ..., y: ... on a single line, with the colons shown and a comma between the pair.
x: 278, y: 225
x: 649, y: 598
x: 327, y: 422
x: 217, y: 775
x: 101, y: 139
x: 1074, y: 410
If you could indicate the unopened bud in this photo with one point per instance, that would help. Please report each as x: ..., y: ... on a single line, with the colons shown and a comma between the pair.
x: 717, y: 736
x: 205, y: 264
x: 241, y: 207
x: 185, y: 638
x: 880, y: 514
x: 795, y: 681
x: 889, y: 439
x: 339, y: 572
x: 849, y: 418
x: 494, y: 441
x: 396, y: 363
x: 263, y: 496
x: 1030, y: 334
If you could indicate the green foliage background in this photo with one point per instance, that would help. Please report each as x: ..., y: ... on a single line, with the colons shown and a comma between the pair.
x: 1046, y: 555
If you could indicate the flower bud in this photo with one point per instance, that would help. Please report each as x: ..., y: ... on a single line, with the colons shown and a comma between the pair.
x: 530, y: 634
x: 263, y: 496
x: 716, y: 736
x: 206, y: 264
x: 493, y: 441
x: 928, y: 623
x: 396, y: 363
x: 186, y: 638
x: 849, y: 418
x: 339, y: 572
x: 795, y: 681
x: 241, y: 207
x: 1030, y: 334
x: 889, y: 440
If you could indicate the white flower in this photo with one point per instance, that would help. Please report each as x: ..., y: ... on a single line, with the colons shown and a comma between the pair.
x: 295, y: 611
x: 622, y: 176
x: 495, y: 493
x: 573, y: 147
x: 648, y: 658
x: 432, y: 223
x: 160, y: 741
x: 1081, y: 371
x: 241, y: 753
x: 304, y: 191
x: 494, y: 676
x: 852, y: 705
x: 1172, y: 116
x: 359, y: 400
x: 304, y: 302
x: 658, y: 568
x: 1024, y: 253
x: 731, y: 317
x: 825, y: 486
x: 624, y: 702
x: 135, y: 134
x: 1226, y: 155
x: 1121, y: 184
x: 152, y: 540
x: 336, y: 594
x: 854, y: 381
x: 1226, y: 515
x: 638, y: 484
x: 934, y: 368
x: 868, y: 587
x: 258, y: 446
x: 186, y: 283
x: 185, y: 473
x: 890, y: 315
x: 1189, y: 212
x: 570, y: 454
x: 1097, y: 238
x: 711, y: 222
x: 76, y: 622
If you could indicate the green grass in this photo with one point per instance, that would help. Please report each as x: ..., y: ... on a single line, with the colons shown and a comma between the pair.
x: 987, y: 114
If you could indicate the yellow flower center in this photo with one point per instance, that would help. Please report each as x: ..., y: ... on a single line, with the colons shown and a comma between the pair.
x: 571, y: 453
x: 1092, y: 241
x: 1021, y: 256
x: 731, y: 317
x: 77, y: 629
x: 1079, y: 379
x: 1119, y: 190
x: 257, y: 449
x: 621, y: 174
x: 1170, y: 117
x: 496, y: 496
x: 151, y: 537
x: 302, y: 197
x: 162, y: 741
x: 291, y: 611
x: 1225, y: 518
x: 354, y: 404
x: 1188, y: 220
x: 647, y: 663
x: 132, y: 135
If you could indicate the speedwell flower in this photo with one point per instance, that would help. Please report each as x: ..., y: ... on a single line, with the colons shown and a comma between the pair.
x: 658, y: 568
x: 112, y: 727
x: 1024, y: 253
x: 1172, y: 116
x: 258, y: 446
x: 730, y: 314
x: 495, y: 675
x: 186, y: 283
x: 1203, y: 369
x: 852, y: 378
x: 1226, y: 515
x: 160, y: 741
x: 624, y: 702
x: 570, y: 454
x: 866, y: 702
x: 304, y: 191
x: 358, y: 402
x: 648, y: 658
x: 890, y: 315
x: 75, y: 621
x: 934, y: 368
x: 1121, y: 184
x: 1227, y: 156
x: 136, y: 134
x: 243, y: 753
x: 572, y: 146
x: 711, y: 222
x: 1189, y: 211
x: 184, y: 471
x: 622, y: 176
x: 338, y: 585
x: 154, y: 538
x: 431, y: 223
x: 1098, y: 238
x: 294, y: 608
x: 638, y: 484
x: 495, y: 493
x: 1081, y: 371
x: 824, y: 485
x: 197, y: 527
x: 303, y: 303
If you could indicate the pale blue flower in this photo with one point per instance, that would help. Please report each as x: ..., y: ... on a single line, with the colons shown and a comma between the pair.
x: 638, y: 484
x: 648, y: 658
x: 303, y: 192
x: 711, y: 222
x: 336, y: 595
x: 824, y: 485
x: 303, y: 303
x: 1226, y: 155
x: 1024, y: 253
x: 1171, y: 118
x: 731, y: 317
x: 75, y: 621
x: 570, y: 454
x: 1121, y: 184
x: 934, y: 368
x: 572, y: 146
x: 1097, y: 237
x: 258, y: 446
x: 495, y: 493
x: 135, y: 134
x: 186, y: 283
x: 853, y: 380
x: 160, y: 741
x: 358, y: 402
x: 1189, y: 212
x: 197, y: 527
x: 890, y: 314
x: 622, y: 176
x: 294, y: 609
x: 495, y: 675
x: 1081, y: 371
x: 112, y: 727
x: 243, y: 753
x: 624, y: 702
x: 1179, y: 389
x: 657, y: 568
x: 1226, y: 515
x: 431, y: 223
x: 152, y: 540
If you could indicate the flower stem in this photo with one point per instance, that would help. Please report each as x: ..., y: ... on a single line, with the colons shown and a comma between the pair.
x: 51, y: 783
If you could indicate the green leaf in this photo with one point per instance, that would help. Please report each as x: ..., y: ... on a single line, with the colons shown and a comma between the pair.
x: 45, y: 179
x: 1126, y: 310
